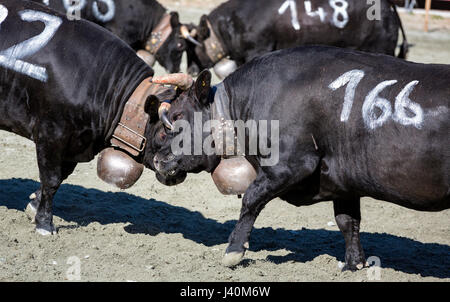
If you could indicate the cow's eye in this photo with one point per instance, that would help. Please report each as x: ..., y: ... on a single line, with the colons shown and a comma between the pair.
x: 177, y: 116
x: 180, y: 45
x: 162, y: 136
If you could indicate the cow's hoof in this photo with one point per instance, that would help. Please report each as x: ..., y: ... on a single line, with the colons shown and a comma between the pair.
x: 233, y: 258
x: 354, y: 267
x: 30, y: 211
x: 46, y: 231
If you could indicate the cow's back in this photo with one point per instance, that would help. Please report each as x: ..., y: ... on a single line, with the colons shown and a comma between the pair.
x: 247, y: 27
x: 398, y: 159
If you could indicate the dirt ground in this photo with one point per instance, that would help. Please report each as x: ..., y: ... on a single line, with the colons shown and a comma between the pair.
x: 157, y: 233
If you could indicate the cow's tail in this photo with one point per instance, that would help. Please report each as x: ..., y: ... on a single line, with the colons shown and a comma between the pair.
x: 404, y: 48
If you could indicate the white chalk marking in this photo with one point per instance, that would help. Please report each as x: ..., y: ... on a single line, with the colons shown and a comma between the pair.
x: 109, y: 15
x: 293, y: 7
x: 373, y: 101
x: 12, y: 58
x: 339, y: 10
x: 402, y: 103
x: 3, y: 14
x: 319, y: 12
x: 352, y: 77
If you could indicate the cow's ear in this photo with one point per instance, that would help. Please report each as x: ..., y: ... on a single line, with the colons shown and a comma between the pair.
x: 151, y: 107
x: 174, y: 19
x: 203, y: 29
x: 202, y: 87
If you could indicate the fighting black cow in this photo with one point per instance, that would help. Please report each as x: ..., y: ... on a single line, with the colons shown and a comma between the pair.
x: 242, y: 30
x: 346, y: 124
x: 145, y: 25
x: 75, y: 89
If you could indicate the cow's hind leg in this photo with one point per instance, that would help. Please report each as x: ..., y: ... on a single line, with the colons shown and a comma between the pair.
x: 269, y: 184
x: 67, y: 169
x: 348, y: 217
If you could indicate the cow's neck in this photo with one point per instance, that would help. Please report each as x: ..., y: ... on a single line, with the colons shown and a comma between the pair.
x: 215, y: 48
x: 220, y: 110
x: 124, y: 89
x: 152, y: 21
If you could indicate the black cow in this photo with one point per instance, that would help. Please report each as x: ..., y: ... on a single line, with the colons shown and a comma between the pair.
x: 243, y: 30
x: 351, y: 124
x: 63, y: 85
x: 134, y: 21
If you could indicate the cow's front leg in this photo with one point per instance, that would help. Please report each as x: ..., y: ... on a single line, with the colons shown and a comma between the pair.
x: 348, y: 217
x: 51, y: 174
x: 255, y: 199
x: 31, y: 210
x: 267, y: 186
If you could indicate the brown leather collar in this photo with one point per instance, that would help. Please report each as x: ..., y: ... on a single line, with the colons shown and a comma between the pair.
x: 159, y: 35
x: 129, y: 134
x: 213, y: 47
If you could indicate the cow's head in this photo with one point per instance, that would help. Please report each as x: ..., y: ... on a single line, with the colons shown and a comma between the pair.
x: 169, y: 161
x: 170, y: 53
x: 198, y: 59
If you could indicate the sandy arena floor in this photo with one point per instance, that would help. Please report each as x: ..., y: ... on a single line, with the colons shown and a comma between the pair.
x: 157, y: 233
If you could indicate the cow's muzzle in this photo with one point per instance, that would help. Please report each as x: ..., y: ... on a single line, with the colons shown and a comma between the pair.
x: 166, y: 166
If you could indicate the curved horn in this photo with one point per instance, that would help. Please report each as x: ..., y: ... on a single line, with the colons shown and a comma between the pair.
x: 147, y: 57
x: 187, y: 35
x: 183, y: 81
x: 162, y: 112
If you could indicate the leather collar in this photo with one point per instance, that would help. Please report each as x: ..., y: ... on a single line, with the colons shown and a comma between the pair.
x: 213, y: 47
x: 225, y: 139
x: 129, y: 134
x: 159, y: 35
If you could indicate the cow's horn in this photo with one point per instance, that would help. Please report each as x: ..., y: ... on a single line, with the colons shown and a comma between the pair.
x: 187, y: 35
x: 163, y: 115
x: 147, y: 57
x: 183, y: 81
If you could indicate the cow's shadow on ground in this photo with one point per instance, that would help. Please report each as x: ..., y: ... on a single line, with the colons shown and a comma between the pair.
x: 83, y: 206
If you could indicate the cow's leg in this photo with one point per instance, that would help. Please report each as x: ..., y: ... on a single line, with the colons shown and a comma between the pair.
x: 67, y: 169
x: 51, y: 174
x: 267, y: 186
x: 348, y: 217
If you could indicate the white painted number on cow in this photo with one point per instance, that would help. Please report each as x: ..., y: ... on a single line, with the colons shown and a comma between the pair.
x: 377, y: 110
x: 3, y: 14
x: 74, y: 8
x: 352, y: 78
x: 109, y: 15
x: 373, y: 101
x: 340, y: 15
x: 12, y: 58
x: 294, y: 18
x: 403, y: 104
x: 319, y: 12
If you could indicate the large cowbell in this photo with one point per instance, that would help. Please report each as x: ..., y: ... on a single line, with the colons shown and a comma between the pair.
x: 233, y: 175
x: 224, y: 68
x: 117, y: 168
x: 117, y: 165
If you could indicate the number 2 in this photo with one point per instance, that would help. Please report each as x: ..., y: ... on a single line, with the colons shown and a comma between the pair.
x: 12, y: 58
